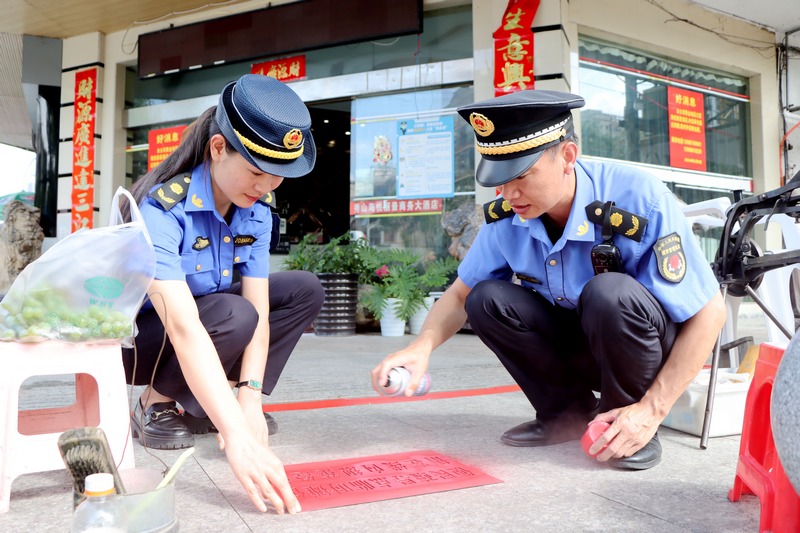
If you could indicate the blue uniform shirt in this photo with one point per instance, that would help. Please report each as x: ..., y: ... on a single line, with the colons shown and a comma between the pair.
x: 559, y: 271
x: 194, y: 243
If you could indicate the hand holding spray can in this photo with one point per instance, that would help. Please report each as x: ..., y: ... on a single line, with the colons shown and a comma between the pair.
x: 398, y: 380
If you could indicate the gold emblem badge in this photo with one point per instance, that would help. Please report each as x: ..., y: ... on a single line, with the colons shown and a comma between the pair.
x: 197, y: 202
x: 201, y: 243
x: 635, y: 228
x: 293, y: 139
x: 483, y: 126
x: 616, y: 219
x: 164, y: 197
x: 491, y: 211
x: 583, y: 228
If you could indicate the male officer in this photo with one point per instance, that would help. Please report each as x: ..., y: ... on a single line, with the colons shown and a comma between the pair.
x: 586, y: 277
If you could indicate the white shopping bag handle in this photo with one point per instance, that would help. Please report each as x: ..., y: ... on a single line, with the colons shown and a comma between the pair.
x: 115, y: 218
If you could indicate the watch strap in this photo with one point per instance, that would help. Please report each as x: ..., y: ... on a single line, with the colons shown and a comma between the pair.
x: 252, y: 383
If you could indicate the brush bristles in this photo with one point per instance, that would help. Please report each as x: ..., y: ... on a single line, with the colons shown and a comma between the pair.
x: 85, y: 451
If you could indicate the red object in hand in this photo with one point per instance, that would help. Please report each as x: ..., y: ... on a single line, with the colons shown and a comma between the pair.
x: 593, y: 432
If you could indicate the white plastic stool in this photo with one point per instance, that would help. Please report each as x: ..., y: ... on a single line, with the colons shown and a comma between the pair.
x: 29, y: 439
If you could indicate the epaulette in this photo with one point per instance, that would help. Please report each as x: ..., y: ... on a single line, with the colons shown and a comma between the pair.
x: 268, y: 199
x: 497, y: 209
x: 173, y: 191
x: 622, y: 222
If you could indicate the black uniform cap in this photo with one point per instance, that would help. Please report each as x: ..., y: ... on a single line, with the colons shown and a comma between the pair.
x: 512, y: 131
x: 268, y: 124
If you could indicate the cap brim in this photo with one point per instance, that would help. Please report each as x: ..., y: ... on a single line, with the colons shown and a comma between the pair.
x: 493, y: 173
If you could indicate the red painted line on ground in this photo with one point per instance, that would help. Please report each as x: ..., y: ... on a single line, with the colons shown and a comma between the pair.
x: 346, y: 402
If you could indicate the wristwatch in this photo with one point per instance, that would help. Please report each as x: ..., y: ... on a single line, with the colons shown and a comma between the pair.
x: 252, y: 383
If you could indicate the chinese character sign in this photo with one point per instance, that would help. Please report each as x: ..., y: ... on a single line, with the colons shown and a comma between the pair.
x: 161, y: 143
x: 286, y: 69
x: 340, y: 482
x: 687, y: 129
x: 396, y: 207
x: 513, y: 48
x: 83, y: 148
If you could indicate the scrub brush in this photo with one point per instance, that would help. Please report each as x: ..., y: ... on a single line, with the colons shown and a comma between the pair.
x: 85, y: 451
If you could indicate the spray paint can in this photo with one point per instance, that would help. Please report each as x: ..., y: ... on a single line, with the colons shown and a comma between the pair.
x: 398, y: 381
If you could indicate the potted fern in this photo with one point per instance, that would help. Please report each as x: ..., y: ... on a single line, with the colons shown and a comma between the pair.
x: 399, y: 283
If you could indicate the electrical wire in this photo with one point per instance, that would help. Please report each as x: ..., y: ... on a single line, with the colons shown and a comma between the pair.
x: 766, y: 50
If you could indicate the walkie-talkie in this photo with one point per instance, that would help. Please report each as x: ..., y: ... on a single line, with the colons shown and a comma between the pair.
x: 606, y: 256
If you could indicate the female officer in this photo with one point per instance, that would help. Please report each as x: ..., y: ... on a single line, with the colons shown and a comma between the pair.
x: 206, y: 209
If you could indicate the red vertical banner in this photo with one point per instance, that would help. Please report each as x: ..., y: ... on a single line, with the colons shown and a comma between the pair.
x: 687, y: 129
x: 513, y: 48
x: 83, y: 148
x: 161, y: 143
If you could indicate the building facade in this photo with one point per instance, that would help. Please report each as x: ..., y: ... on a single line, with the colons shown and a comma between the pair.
x: 688, y: 94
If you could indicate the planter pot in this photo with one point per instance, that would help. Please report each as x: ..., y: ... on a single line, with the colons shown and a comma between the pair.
x: 338, y: 314
x: 391, y: 326
x: 416, y: 320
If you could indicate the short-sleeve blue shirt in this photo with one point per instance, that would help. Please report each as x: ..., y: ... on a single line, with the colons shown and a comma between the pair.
x: 194, y: 243
x: 559, y: 271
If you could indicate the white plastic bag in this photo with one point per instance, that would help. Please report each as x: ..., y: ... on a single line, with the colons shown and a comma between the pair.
x: 89, y: 286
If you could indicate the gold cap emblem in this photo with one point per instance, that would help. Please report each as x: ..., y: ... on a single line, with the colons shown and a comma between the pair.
x: 292, y: 139
x: 483, y: 126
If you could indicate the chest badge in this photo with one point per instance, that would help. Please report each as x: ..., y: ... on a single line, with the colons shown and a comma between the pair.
x: 243, y: 240
x: 201, y: 243
x: 670, y: 257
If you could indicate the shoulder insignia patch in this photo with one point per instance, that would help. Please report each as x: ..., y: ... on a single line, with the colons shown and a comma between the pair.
x: 243, y: 240
x: 497, y: 209
x: 201, y: 243
x: 268, y: 199
x: 670, y: 257
x: 622, y: 222
x: 172, y: 191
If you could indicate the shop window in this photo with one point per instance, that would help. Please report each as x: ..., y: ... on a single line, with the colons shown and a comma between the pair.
x: 447, y: 35
x: 412, y: 159
x: 648, y: 109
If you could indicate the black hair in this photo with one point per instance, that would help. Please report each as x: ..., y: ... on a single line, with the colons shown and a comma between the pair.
x: 193, y: 150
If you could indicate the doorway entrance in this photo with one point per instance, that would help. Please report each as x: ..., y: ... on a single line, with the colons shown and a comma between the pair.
x: 320, y: 201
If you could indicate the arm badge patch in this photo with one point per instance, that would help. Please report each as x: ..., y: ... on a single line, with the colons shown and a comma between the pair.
x: 670, y: 257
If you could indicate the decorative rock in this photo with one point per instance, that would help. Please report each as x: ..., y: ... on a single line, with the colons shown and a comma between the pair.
x: 462, y: 225
x: 785, y: 411
x: 20, y: 240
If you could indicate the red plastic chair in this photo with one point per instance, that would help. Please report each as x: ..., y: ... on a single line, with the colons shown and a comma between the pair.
x: 759, y: 470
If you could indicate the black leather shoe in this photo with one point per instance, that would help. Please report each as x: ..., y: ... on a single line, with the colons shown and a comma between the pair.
x: 545, y: 432
x: 647, y: 457
x: 160, y: 427
x: 203, y: 425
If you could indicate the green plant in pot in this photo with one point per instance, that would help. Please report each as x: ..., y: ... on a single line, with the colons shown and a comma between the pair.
x: 404, y: 276
x: 341, y: 255
x: 340, y: 265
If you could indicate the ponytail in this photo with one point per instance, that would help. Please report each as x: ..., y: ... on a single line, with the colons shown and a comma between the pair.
x: 191, y: 152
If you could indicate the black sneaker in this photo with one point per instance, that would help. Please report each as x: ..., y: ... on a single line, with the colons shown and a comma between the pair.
x: 160, y: 426
x: 203, y: 425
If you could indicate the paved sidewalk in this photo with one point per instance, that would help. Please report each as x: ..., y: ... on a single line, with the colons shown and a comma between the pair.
x: 551, y: 489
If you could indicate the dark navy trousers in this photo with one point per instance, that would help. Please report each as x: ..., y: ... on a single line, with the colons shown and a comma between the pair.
x: 615, y: 342
x: 295, y: 299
